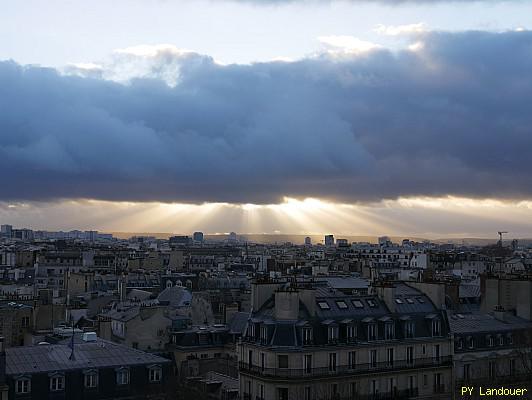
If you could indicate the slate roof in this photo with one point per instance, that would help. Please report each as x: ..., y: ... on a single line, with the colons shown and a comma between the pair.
x: 475, y: 323
x: 55, y: 357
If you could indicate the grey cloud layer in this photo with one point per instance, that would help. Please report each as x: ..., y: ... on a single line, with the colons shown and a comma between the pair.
x: 453, y: 118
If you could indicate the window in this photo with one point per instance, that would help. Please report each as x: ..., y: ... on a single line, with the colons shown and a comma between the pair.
x: 283, y: 361
x: 263, y: 334
x: 332, y: 362
x: 57, y: 383
x: 512, y: 366
x: 373, y: 358
x: 436, y: 327
x: 389, y: 357
x: 492, y: 369
x: 307, y: 363
x: 436, y: 353
x: 421, y: 300
x: 333, y: 333
x: 409, y: 329
x: 460, y: 343
x: 91, y: 380
x: 358, y: 304
x: 399, y: 301
x: 389, y: 330
x: 122, y: 377
x: 352, y: 359
x: 467, y: 371
x: 262, y: 361
x: 155, y: 374
x: 501, y: 340
x: 22, y: 386
x: 490, y: 341
x: 251, y: 329
x: 372, y: 331
x: 307, y: 393
x: 351, y: 332
x: 261, y: 391
x: 409, y: 300
x: 324, y: 305
x: 371, y: 303
x: 25, y: 322
x: 510, y: 339
x: 471, y: 342
x: 333, y: 390
x: 438, y: 383
x: 353, y: 389
x: 341, y: 304
x: 410, y: 355
x: 282, y: 393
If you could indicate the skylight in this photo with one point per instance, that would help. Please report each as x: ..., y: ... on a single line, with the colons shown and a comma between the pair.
x: 324, y: 305
x: 341, y: 304
x: 358, y: 304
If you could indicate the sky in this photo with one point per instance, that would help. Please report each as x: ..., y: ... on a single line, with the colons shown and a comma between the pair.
x: 309, y: 117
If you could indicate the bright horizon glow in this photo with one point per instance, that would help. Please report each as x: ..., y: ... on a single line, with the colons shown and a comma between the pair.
x: 420, y: 217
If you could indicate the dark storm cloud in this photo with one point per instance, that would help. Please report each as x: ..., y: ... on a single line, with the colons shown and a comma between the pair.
x: 453, y: 118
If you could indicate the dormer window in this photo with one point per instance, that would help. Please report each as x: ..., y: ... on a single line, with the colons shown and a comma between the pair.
x: 409, y: 329
x: 251, y: 329
x: 332, y: 334
x: 460, y: 343
x: 490, y: 340
x: 90, y: 379
x: 510, y: 339
x: 436, y: 327
x: 307, y: 335
x: 372, y: 331
x: 263, y: 334
x: 155, y: 374
x: 351, y: 332
x: 23, y: 386
x: 122, y: 376
x: 501, y: 340
x: 389, y: 330
x: 470, y: 342
x: 57, y: 383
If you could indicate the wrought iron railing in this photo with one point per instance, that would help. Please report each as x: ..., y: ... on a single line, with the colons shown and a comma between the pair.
x: 345, y: 369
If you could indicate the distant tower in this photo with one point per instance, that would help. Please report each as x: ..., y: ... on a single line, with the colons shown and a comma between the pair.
x: 198, y: 237
x: 329, y: 240
x: 232, y: 237
x: 308, y: 241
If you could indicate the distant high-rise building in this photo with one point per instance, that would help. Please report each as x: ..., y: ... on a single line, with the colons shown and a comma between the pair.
x: 6, y: 230
x: 232, y: 237
x: 198, y: 237
x: 384, y: 241
x: 308, y: 241
x: 329, y: 240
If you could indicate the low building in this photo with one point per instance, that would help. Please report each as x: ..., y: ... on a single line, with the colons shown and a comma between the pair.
x: 91, y: 368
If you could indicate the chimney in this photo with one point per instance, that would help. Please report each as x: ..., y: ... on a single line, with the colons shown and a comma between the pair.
x: 287, y: 304
x: 499, y: 313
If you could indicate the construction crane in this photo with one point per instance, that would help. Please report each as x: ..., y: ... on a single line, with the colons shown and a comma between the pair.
x: 500, y: 237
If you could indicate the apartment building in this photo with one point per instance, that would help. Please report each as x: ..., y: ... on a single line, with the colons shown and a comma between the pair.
x: 310, y: 343
x: 492, y: 349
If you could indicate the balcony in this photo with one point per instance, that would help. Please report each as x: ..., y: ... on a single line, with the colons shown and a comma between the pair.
x: 306, y: 373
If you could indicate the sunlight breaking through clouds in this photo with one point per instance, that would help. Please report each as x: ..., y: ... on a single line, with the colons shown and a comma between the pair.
x: 419, y: 217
